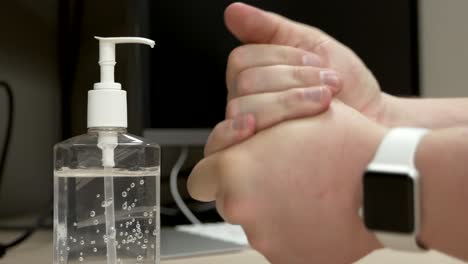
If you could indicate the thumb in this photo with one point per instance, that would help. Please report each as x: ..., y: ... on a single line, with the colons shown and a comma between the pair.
x: 253, y: 25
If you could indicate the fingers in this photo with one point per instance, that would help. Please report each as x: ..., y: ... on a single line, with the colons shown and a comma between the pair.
x: 229, y: 132
x: 219, y: 174
x: 202, y: 183
x: 258, y: 55
x: 248, y: 114
x: 224, y: 177
x: 282, y: 77
x: 272, y: 108
x: 252, y: 25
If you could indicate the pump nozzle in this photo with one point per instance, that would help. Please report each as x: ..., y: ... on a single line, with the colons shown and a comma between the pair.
x: 107, y: 59
x: 107, y: 103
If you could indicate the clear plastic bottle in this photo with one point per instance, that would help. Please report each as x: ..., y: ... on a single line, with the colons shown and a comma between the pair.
x: 106, y: 182
x: 106, y: 215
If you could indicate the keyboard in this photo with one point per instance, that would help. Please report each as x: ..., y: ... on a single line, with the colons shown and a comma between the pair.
x: 221, y: 231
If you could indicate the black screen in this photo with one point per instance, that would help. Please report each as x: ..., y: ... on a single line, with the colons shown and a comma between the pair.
x: 388, y: 202
x: 187, y: 72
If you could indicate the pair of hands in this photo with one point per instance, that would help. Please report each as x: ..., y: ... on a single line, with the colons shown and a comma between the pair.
x: 286, y: 164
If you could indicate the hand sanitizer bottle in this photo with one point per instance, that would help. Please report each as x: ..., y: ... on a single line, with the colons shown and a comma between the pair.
x: 106, y: 182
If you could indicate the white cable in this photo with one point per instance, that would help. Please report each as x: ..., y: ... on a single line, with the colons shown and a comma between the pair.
x: 175, y: 191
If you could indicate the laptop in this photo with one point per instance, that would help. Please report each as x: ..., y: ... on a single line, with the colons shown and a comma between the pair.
x: 179, y: 244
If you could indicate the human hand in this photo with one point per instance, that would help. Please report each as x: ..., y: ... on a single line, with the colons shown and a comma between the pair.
x: 281, y: 54
x: 254, y: 69
x: 282, y: 60
x: 296, y: 187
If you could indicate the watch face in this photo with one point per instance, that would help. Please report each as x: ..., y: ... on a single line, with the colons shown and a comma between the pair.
x: 389, y: 202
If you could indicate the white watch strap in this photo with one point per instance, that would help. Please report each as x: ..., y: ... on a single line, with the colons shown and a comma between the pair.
x: 398, y: 147
x: 397, y: 152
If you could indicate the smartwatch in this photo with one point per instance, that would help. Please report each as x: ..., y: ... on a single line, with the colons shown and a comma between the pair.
x: 391, y: 191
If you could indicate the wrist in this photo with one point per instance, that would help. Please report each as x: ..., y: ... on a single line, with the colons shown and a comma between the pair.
x: 436, y: 113
x: 441, y: 160
x: 389, y: 114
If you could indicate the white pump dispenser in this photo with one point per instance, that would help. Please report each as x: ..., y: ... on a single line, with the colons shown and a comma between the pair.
x: 106, y: 182
x: 107, y: 103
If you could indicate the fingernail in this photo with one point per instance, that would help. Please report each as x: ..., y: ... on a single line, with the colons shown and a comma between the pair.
x: 313, y: 94
x: 240, y: 122
x: 311, y: 60
x: 330, y: 78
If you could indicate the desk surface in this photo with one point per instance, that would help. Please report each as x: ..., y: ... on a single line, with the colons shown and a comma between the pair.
x: 38, y: 250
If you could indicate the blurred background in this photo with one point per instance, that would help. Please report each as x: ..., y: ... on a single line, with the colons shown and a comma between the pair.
x: 176, y: 91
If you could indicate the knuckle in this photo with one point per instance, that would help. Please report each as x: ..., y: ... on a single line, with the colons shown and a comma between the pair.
x: 305, y: 76
x: 298, y: 73
x: 236, y: 59
x: 284, y: 54
x: 291, y: 98
x: 244, y: 83
x: 322, y: 42
x: 232, y: 108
